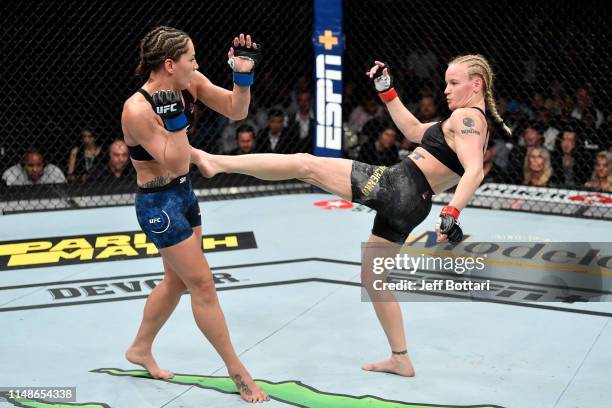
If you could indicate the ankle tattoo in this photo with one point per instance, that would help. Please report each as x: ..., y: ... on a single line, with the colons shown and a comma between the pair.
x: 241, y: 385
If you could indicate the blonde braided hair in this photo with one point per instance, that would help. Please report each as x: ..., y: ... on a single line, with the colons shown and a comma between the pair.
x: 478, y: 65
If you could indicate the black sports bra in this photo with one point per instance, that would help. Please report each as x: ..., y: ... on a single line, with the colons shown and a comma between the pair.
x: 138, y: 152
x: 433, y: 141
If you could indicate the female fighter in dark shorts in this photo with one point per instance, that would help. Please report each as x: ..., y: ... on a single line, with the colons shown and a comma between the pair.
x: 154, y: 122
x: 450, y: 153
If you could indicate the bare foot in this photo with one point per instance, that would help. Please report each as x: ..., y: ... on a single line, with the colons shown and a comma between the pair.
x: 206, y: 165
x: 400, y: 365
x: 248, y: 389
x: 146, y: 360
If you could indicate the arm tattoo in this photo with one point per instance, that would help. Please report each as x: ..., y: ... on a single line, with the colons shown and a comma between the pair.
x: 469, y: 122
x: 470, y: 131
x: 241, y: 385
x: 157, y: 182
x: 417, y: 155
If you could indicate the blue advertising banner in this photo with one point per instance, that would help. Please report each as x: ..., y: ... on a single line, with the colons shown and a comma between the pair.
x: 328, y: 48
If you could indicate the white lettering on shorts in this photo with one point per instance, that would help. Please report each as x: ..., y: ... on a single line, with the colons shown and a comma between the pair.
x: 151, y: 220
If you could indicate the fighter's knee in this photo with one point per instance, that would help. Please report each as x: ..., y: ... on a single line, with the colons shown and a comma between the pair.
x: 203, y: 290
x: 307, y: 163
x: 175, y: 284
x: 366, y: 278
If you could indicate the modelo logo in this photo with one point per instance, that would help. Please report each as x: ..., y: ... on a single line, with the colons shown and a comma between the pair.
x: 329, y: 103
x: 166, y: 108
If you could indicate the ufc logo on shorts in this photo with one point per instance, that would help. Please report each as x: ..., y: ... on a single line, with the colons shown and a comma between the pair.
x: 166, y: 108
x: 154, y: 220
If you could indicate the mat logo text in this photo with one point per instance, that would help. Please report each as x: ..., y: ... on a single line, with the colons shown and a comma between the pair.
x: 103, y: 248
x: 108, y: 288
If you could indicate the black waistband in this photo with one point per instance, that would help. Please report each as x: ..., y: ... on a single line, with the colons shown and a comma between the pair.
x: 174, y: 183
x: 427, y: 192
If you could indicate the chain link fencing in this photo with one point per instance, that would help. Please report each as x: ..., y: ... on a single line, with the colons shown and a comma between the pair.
x: 552, y: 87
x: 69, y: 68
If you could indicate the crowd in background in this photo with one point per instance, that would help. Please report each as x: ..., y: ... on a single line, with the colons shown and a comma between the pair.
x: 560, y: 137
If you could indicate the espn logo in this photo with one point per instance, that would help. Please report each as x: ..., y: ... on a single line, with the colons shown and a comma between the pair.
x: 329, y: 101
x: 165, y: 109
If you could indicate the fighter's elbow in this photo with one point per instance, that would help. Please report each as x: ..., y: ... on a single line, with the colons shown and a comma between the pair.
x: 240, y: 115
x: 175, y: 158
x: 475, y: 173
x: 413, y: 133
x: 481, y: 176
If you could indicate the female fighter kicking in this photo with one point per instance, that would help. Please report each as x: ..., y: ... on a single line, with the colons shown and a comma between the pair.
x: 450, y: 154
